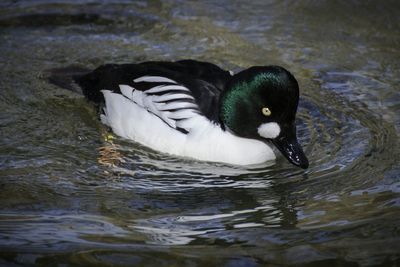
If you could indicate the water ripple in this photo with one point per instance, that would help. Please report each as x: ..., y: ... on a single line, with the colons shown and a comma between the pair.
x: 72, y: 196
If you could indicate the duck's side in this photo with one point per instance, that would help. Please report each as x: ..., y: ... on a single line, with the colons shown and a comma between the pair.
x: 204, y: 140
x: 172, y: 108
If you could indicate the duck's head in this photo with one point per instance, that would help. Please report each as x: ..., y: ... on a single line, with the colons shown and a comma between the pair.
x: 261, y: 103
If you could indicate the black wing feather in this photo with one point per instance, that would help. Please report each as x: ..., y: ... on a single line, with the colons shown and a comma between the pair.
x: 205, y: 81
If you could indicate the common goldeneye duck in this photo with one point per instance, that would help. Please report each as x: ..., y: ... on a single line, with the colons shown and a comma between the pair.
x: 198, y: 110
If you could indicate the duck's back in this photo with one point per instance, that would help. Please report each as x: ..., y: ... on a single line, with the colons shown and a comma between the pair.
x: 205, y: 81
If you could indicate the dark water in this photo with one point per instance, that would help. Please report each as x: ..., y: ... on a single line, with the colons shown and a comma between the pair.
x: 72, y: 195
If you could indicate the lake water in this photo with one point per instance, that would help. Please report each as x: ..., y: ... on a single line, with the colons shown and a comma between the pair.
x: 74, y: 194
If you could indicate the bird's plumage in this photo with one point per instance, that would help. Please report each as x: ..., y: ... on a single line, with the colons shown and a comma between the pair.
x: 198, y: 110
x: 205, y: 81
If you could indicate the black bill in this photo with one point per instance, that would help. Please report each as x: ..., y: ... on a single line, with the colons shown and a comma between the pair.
x: 291, y: 149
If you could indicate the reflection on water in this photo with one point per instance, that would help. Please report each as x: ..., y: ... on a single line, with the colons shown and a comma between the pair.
x: 73, y: 193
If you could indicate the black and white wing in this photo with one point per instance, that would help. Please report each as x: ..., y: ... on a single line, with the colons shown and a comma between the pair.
x: 173, y: 103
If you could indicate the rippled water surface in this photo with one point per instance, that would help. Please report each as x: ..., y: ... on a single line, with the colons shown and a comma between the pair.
x: 73, y: 195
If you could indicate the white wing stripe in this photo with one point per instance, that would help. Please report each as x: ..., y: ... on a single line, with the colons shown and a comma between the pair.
x: 163, y: 98
x: 182, y: 114
x: 177, y: 105
x: 153, y: 79
x: 126, y: 90
x: 134, y: 95
x: 163, y: 88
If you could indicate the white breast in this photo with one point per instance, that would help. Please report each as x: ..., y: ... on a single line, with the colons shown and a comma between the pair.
x: 204, y: 140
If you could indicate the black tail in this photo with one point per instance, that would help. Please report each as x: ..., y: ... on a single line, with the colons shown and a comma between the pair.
x: 67, y: 77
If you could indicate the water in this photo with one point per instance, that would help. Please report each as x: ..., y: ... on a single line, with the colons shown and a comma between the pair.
x: 71, y: 195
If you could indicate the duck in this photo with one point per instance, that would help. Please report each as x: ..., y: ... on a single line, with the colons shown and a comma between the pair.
x: 197, y: 110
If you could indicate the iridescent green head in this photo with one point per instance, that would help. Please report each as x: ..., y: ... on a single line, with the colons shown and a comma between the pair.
x: 261, y: 103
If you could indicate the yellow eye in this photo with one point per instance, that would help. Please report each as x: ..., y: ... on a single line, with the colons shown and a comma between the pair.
x: 266, y: 111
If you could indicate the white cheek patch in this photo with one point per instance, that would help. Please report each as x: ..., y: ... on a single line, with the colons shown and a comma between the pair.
x: 269, y: 130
